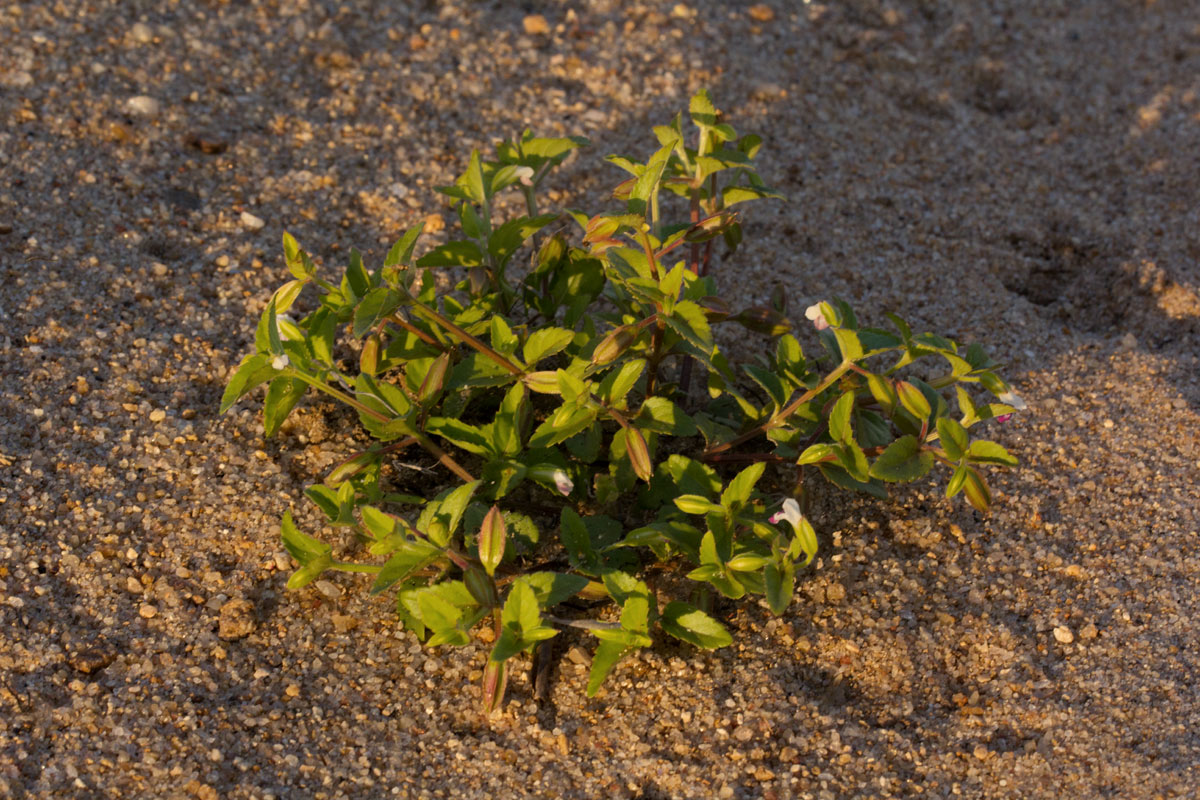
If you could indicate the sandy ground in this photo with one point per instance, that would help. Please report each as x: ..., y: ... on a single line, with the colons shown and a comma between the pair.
x: 1024, y: 174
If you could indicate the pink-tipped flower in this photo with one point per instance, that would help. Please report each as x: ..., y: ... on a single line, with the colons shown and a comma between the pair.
x: 1003, y: 418
x: 813, y: 313
x: 790, y: 512
x: 524, y: 175
x: 549, y: 473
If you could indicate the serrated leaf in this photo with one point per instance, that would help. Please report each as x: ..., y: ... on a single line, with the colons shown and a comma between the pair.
x: 839, y: 418
x: 552, y: 588
x: 575, y: 538
x: 737, y: 493
x: 254, y: 371
x: 408, y: 557
x: 903, y: 460
x: 453, y: 254
x: 544, y: 343
x: 301, y: 546
x: 686, y: 622
x: 953, y: 437
x: 913, y: 400
x: 401, y: 252
x: 985, y: 452
x: 607, y: 655
x: 459, y: 433
x: 779, y: 584
x: 660, y: 415
x: 976, y: 490
x: 282, y: 396
x: 378, y: 304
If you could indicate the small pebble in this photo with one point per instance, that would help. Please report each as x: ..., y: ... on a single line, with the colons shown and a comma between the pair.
x: 141, y: 33
x: 535, y: 25
x: 236, y: 619
x: 134, y: 586
x: 148, y: 611
x: 328, y: 589
x: 158, y: 415
x: 1088, y: 632
x: 143, y: 106
x: 1063, y: 634
x: 251, y: 222
x: 761, y: 12
x: 159, y: 269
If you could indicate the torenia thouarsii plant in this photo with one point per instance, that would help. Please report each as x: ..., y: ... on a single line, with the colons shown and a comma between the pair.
x: 578, y: 418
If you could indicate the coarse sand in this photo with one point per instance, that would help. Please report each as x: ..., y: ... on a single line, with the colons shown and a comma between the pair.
x: 1021, y: 174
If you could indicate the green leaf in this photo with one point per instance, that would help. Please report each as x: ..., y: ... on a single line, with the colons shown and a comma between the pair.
x: 552, y: 588
x: 401, y: 252
x: 544, y: 343
x: 521, y: 607
x: 779, y: 583
x: 459, y: 433
x: 839, y: 418
x: 849, y: 344
x: 509, y: 237
x: 282, y: 396
x: 440, y: 518
x: 693, y: 626
x: 913, y: 400
x: 695, y: 504
x: 254, y: 371
x: 409, y: 557
x: 301, y: 546
x: 816, y: 453
x: 575, y: 538
x: 660, y: 415
x: 903, y: 460
x: 309, y: 572
x: 291, y: 255
x: 985, y: 452
x: 688, y: 320
x: 606, y: 657
x: 618, y: 382
x: 978, y: 494
x: 378, y: 304
x: 472, y: 180
x: 737, y: 494
x: 356, y: 275
x: 453, y: 254
x: 732, y: 195
x: 554, y: 430
x: 954, y: 438
x: 378, y: 523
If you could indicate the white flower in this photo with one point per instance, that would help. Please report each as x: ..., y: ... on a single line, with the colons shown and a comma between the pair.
x: 279, y: 362
x: 790, y: 512
x: 549, y: 473
x: 563, y: 483
x: 524, y: 175
x: 1010, y: 399
x: 814, y: 314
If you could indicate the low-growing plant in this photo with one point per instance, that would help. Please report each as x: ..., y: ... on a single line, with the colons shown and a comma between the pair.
x: 586, y: 420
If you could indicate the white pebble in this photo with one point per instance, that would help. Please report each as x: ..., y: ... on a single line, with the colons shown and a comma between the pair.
x: 143, y: 106
x: 140, y: 32
x: 328, y: 589
x: 252, y: 222
x: 1063, y: 634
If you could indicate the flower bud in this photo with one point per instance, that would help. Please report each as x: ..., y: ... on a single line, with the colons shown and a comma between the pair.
x: 614, y: 344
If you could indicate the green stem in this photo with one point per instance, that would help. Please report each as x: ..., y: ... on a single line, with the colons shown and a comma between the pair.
x: 339, y: 395
x: 778, y: 419
x: 467, y: 338
x: 346, y: 566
